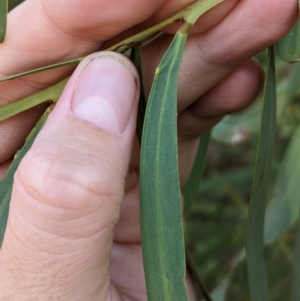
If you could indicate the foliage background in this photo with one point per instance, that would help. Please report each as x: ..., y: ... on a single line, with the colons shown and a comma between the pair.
x: 216, y: 223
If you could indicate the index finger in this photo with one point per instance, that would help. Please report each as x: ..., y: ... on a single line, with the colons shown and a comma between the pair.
x: 42, y: 32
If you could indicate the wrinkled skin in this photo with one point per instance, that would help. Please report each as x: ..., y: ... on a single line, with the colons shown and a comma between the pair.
x: 42, y: 257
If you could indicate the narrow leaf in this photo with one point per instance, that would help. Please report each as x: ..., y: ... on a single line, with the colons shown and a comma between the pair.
x: 288, y: 48
x: 255, y: 226
x: 6, y: 183
x: 191, y: 187
x: 161, y: 215
x: 219, y: 293
x: 161, y: 222
x: 3, y: 19
x: 136, y: 58
x: 48, y: 95
x: 283, y: 210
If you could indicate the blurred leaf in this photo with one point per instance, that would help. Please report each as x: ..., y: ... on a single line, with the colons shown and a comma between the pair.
x: 293, y: 81
x: 48, y: 95
x: 3, y: 19
x: 219, y: 293
x: 7, y: 182
x: 191, y: 187
x: 236, y: 177
x: 161, y: 222
x: 235, y: 128
x: 255, y: 238
x: 287, y: 89
x: 283, y: 210
x: 288, y: 48
x: 136, y: 58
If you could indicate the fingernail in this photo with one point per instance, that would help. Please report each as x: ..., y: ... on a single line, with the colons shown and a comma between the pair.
x: 105, y: 93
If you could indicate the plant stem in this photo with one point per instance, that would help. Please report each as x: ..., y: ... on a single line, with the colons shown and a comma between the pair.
x: 188, y: 14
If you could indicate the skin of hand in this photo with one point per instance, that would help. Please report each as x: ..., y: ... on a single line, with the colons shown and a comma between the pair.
x: 73, y: 228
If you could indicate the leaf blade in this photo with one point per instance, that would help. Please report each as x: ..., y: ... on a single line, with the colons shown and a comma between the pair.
x: 50, y: 94
x: 288, y: 48
x: 255, y: 225
x: 161, y: 222
x: 191, y: 187
x: 283, y: 210
x: 136, y: 58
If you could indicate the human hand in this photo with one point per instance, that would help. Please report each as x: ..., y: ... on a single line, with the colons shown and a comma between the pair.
x: 220, y: 63
x: 42, y: 32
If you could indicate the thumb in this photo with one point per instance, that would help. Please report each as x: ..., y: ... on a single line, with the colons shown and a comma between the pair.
x: 69, y: 187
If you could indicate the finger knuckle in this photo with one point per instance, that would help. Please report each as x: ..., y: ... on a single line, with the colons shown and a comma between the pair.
x: 69, y: 182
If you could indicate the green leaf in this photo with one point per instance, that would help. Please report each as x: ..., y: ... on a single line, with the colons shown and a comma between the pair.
x: 136, y: 58
x: 234, y: 128
x: 3, y: 19
x: 161, y: 215
x: 283, y: 210
x: 288, y: 48
x: 191, y: 187
x: 240, y: 126
x: 161, y: 221
x: 6, y: 183
x: 219, y: 293
x: 287, y: 89
x: 255, y: 226
x: 48, y: 95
